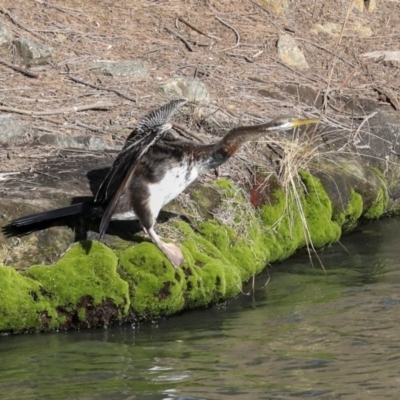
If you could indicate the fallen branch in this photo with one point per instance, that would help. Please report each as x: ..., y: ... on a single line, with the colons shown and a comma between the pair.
x: 248, y: 59
x: 63, y: 110
x: 197, y: 29
x: 188, y: 46
x: 68, y: 11
x: 4, y: 175
x: 389, y: 96
x: 75, y: 79
x: 89, y: 127
x: 18, y: 69
x: 181, y: 128
x: 234, y: 30
x: 327, y: 50
x: 269, y: 15
x: 294, y: 71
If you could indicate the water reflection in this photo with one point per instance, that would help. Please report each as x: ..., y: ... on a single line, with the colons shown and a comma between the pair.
x: 309, y: 333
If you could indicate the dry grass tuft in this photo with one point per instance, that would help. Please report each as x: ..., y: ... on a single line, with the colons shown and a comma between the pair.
x: 235, y: 211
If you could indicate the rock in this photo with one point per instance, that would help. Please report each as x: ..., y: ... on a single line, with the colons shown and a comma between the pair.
x: 386, y: 55
x: 190, y: 88
x: 52, y: 183
x: 5, y: 36
x: 361, y: 30
x: 333, y: 29
x: 80, y: 142
x: 359, y: 4
x: 368, y: 5
x: 135, y: 68
x: 290, y: 53
x: 329, y: 28
x: 43, y: 300
x: 31, y: 52
x: 11, y: 129
x: 277, y: 6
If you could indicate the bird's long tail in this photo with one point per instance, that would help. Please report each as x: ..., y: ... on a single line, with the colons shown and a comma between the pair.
x: 31, y: 223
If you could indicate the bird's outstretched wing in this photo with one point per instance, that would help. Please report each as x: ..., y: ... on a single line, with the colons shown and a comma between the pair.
x: 153, y: 120
x: 146, y: 133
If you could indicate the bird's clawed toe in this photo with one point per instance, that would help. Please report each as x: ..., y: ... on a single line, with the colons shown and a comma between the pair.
x: 173, y: 253
x: 171, y: 250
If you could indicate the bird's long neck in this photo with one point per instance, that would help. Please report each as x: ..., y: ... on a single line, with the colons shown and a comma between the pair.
x: 217, y: 153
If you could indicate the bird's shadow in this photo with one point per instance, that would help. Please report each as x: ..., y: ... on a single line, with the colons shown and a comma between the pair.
x: 86, y: 226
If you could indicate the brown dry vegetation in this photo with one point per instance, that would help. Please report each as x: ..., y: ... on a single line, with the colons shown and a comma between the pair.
x: 236, y: 58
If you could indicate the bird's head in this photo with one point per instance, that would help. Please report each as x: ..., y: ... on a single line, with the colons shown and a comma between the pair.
x: 284, y: 123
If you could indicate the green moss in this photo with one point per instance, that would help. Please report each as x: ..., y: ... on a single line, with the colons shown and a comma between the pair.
x: 84, y: 278
x: 82, y: 314
x: 348, y: 219
x: 208, y: 274
x: 379, y: 206
x: 246, y: 259
x: 201, y: 200
x: 286, y: 219
x: 217, y: 234
x: 318, y: 212
x: 224, y: 183
x: 22, y: 305
x: 197, y: 292
x: 155, y: 285
x: 272, y: 213
x: 283, y: 224
x: 209, y: 251
x: 47, y: 297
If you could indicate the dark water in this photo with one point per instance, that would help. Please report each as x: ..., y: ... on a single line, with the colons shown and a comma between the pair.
x: 306, y: 334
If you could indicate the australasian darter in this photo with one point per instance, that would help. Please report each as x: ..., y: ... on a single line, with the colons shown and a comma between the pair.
x: 149, y: 172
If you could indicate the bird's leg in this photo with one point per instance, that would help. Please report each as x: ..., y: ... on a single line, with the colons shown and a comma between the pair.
x: 171, y: 250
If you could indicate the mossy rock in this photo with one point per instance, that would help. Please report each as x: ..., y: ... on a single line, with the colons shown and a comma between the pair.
x: 93, y: 286
x: 349, y: 217
x: 23, y: 307
x: 379, y: 206
x: 82, y: 289
x: 156, y: 288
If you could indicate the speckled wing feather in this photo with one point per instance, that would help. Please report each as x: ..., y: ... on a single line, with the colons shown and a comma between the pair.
x: 153, y: 120
x: 146, y: 133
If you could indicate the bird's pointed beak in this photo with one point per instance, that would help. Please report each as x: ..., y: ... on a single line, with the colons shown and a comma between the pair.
x: 307, y: 121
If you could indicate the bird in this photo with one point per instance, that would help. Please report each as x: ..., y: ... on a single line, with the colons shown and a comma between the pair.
x: 150, y: 171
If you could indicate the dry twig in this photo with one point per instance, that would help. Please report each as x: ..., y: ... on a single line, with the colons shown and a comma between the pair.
x: 248, y: 59
x: 18, y: 69
x: 327, y: 50
x: 187, y: 44
x: 4, y: 175
x: 89, y: 127
x: 234, y: 30
x: 78, y: 80
x: 69, y: 11
x: 197, y: 29
x: 268, y: 13
x: 182, y: 128
x: 63, y: 110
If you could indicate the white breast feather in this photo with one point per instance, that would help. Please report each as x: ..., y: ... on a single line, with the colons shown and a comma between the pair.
x: 124, y: 216
x: 174, y: 182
